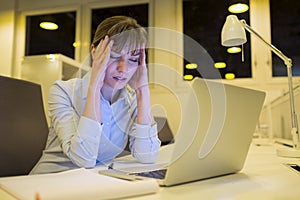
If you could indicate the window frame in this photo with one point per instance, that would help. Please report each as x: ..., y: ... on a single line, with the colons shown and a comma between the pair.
x: 20, y: 39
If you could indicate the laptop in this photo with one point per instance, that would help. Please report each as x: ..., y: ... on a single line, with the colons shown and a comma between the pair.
x: 217, y: 126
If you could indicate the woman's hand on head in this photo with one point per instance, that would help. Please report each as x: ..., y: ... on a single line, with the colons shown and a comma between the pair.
x: 140, y: 77
x: 100, y: 55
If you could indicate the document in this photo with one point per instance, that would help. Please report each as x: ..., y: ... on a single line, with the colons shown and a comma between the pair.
x: 74, y: 184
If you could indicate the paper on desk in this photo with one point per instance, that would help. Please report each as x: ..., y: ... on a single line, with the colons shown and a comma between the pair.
x: 76, y: 184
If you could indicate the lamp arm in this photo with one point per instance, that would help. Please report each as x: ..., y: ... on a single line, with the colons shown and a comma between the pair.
x: 288, y: 62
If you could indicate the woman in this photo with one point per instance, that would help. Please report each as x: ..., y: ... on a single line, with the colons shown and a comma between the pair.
x: 93, y: 117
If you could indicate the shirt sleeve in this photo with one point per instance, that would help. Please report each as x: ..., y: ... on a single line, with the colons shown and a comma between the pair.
x: 85, y: 144
x: 144, y: 143
x: 79, y: 136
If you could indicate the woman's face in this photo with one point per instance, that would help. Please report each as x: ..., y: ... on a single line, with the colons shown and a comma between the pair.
x: 121, y: 68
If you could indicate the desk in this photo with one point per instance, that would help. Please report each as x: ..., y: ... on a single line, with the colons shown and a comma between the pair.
x: 264, y: 176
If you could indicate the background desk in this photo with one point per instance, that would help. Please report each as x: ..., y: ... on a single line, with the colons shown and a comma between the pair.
x: 264, y: 176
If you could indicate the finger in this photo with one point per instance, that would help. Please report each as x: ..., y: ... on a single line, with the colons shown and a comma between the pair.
x: 103, y: 53
x: 142, y: 60
x: 106, y: 54
x: 102, y: 45
x: 100, y: 62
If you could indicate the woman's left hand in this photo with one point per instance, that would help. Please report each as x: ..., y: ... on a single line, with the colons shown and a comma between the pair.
x: 140, y: 77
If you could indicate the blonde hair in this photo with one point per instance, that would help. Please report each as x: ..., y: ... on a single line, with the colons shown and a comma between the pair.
x: 127, y: 34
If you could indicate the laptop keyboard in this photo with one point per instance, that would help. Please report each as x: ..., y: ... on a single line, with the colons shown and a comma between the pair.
x: 158, y: 174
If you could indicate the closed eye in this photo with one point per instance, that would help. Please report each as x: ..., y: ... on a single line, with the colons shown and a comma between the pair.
x: 115, y: 57
x: 133, y: 60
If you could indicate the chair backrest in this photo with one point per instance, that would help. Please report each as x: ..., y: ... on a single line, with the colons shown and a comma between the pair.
x: 23, y: 126
x: 165, y: 133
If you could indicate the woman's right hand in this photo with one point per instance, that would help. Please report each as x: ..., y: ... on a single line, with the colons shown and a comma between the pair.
x: 100, y: 55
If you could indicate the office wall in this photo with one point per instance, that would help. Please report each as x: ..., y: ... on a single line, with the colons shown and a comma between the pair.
x: 281, y: 123
x: 7, y: 23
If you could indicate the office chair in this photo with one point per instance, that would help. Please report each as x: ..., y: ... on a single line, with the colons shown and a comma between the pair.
x: 23, y: 126
x: 164, y: 131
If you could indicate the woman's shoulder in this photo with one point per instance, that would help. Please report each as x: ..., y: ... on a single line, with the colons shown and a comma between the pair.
x: 68, y: 87
x: 73, y: 82
x: 67, y: 83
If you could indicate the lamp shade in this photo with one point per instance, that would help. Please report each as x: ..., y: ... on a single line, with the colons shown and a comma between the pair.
x: 233, y: 32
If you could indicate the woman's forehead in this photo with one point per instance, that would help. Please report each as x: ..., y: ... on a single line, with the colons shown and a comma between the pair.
x: 126, y: 51
x: 127, y: 43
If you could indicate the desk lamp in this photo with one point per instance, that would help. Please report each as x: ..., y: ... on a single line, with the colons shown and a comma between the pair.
x: 233, y: 34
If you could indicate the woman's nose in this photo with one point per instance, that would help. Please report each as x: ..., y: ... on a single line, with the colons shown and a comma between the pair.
x: 122, y: 65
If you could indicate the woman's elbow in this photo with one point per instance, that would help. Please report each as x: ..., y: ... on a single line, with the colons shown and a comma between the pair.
x: 146, y: 158
x: 84, y: 162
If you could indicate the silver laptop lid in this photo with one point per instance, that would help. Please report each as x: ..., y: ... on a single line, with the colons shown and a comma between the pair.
x: 216, y: 131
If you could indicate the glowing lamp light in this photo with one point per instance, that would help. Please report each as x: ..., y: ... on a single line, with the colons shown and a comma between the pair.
x: 234, y: 50
x: 238, y: 8
x: 220, y: 65
x: 191, y: 66
x: 229, y: 76
x: 49, y: 25
x: 76, y: 44
x: 51, y: 57
x: 188, y: 77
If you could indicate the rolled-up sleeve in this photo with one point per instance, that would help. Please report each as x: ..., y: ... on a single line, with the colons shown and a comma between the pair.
x: 144, y: 143
x: 85, y: 145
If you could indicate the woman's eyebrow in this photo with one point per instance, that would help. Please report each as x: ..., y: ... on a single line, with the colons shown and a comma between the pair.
x: 136, y: 53
x: 133, y: 53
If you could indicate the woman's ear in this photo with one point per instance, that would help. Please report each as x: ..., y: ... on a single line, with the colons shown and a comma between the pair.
x: 93, y: 49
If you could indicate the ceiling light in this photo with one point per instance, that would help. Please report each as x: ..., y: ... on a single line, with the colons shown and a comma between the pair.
x: 188, y: 77
x: 229, y: 76
x: 238, y: 8
x: 220, y: 65
x: 51, y: 57
x: 234, y: 50
x: 49, y: 25
x: 191, y: 66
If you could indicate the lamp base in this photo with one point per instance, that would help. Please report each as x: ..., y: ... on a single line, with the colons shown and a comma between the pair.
x: 288, y: 152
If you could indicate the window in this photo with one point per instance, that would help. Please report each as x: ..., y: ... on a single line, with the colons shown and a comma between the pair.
x: 203, y: 21
x: 42, y: 41
x: 138, y: 12
x: 285, y: 33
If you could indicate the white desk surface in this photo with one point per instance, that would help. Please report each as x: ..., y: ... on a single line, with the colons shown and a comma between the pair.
x: 264, y: 176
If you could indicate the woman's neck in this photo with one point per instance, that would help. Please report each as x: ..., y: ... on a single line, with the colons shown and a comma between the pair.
x: 109, y: 93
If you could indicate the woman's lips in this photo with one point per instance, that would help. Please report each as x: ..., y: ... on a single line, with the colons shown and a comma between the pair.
x: 119, y: 78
